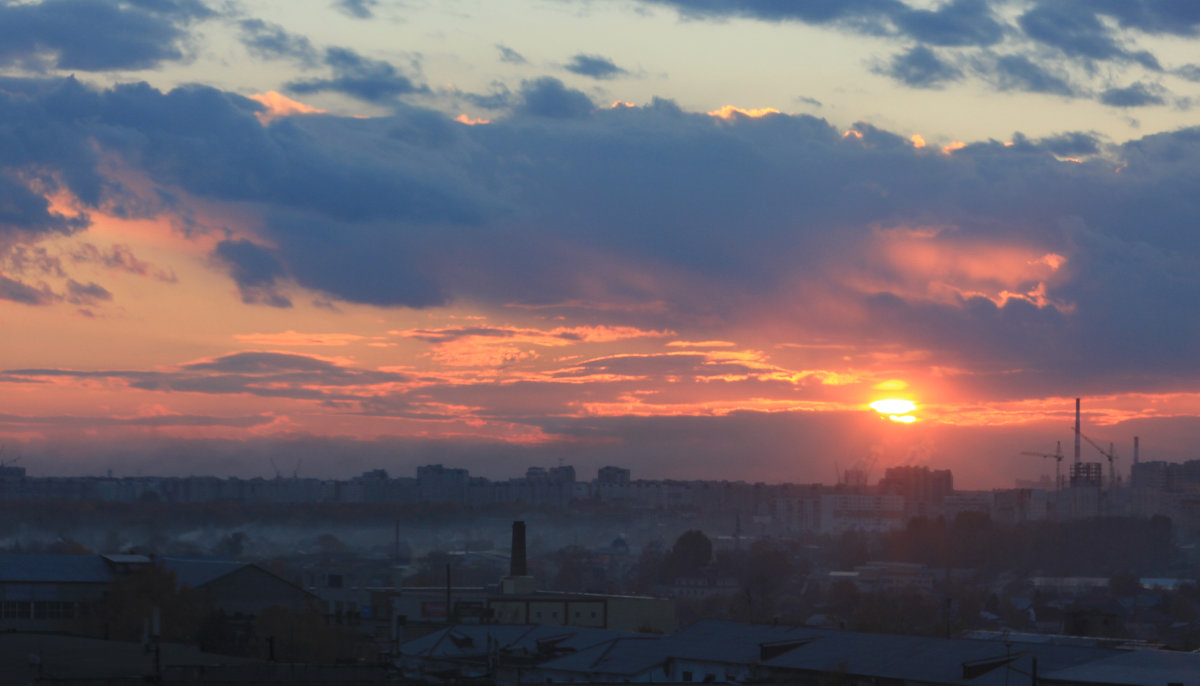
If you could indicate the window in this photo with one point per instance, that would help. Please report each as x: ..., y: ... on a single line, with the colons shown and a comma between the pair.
x: 16, y: 610
x: 54, y: 610
x: 687, y: 675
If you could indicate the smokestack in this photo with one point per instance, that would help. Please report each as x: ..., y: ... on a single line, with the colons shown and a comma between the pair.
x: 1077, y: 431
x: 1135, y: 449
x: 517, y: 562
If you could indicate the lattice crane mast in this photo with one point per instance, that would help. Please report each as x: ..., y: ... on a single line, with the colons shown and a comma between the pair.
x: 1058, y: 458
x: 1111, y: 454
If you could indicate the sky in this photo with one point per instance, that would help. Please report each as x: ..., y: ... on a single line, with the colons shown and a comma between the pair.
x: 696, y: 239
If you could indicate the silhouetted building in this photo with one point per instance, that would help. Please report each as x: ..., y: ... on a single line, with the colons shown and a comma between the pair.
x: 924, y: 489
x: 438, y: 484
x: 613, y: 476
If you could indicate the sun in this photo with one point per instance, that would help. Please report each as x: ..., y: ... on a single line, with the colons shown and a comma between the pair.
x: 896, y: 409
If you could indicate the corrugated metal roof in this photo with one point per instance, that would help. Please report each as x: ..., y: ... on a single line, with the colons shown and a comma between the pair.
x: 732, y: 642
x: 918, y: 658
x: 127, y: 559
x: 468, y: 640
x: 464, y: 640
x: 626, y: 656
x: 38, y: 568
x: 1156, y: 667
x: 909, y: 658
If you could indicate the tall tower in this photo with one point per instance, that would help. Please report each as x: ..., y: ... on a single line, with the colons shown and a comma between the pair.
x: 1077, y: 431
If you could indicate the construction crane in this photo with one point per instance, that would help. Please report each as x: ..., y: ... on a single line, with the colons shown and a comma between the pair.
x: 1058, y: 458
x: 1111, y: 454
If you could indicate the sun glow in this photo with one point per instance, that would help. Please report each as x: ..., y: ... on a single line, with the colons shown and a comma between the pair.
x: 896, y: 409
x: 893, y: 406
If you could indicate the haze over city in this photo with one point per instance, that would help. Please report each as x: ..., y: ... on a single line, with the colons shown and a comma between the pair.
x: 697, y: 240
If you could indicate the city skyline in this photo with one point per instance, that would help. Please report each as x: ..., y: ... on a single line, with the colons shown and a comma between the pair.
x: 691, y: 239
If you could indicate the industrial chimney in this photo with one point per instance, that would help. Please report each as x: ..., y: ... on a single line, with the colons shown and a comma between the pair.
x: 1135, y: 449
x: 518, y: 581
x: 517, y: 559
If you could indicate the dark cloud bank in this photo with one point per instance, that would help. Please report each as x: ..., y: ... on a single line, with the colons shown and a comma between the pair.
x: 562, y: 201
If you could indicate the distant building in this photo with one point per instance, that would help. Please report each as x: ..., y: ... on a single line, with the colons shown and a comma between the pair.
x: 239, y: 589
x: 41, y: 592
x: 924, y: 489
x: 617, y: 613
x: 438, y: 484
x: 613, y: 476
x: 52, y: 592
x: 841, y: 512
x: 1018, y: 505
x: 876, y: 577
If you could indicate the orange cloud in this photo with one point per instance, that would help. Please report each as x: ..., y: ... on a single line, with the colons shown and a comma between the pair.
x: 917, y: 140
x: 731, y: 111
x: 464, y: 119
x: 952, y: 146
x: 701, y: 344
x: 292, y: 338
x: 279, y: 105
x: 496, y: 346
x: 935, y: 265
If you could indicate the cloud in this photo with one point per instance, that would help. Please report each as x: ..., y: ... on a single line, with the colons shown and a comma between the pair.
x: 152, y: 421
x: 655, y: 218
x: 594, y: 66
x: 120, y: 257
x: 97, y: 35
x: 548, y: 97
x: 1075, y: 29
x: 510, y: 56
x: 996, y: 47
x: 1071, y: 144
x: 1191, y: 72
x: 374, y: 81
x: 864, y: 15
x: 262, y: 363
x: 1137, y: 94
x: 21, y: 208
x: 1020, y: 73
x: 1153, y: 16
x: 18, y: 292
x: 500, y: 97
x: 920, y: 67
x: 955, y: 23
x: 292, y: 338
x: 255, y: 270
x: 253, y: 373
x: 492, y: 346
x: 86, y: 294
x: 272, y: 41
x: 358, y: 9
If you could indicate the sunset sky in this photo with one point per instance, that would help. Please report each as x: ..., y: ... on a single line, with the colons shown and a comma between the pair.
x: 695, y: 238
